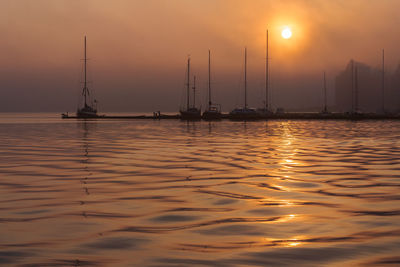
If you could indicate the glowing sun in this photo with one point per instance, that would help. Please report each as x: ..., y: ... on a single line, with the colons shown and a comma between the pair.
x: 286, y: 33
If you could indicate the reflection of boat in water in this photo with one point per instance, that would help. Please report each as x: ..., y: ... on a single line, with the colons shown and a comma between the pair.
x: 86, y: 128
x: 214, y: 110
x: 191, y: 112
x: 89, y: 110
x: 244, y: 113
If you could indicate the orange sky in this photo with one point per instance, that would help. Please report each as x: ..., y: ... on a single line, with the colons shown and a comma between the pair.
x: 138, y: 49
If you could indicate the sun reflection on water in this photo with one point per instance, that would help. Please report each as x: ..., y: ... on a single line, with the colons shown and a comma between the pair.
x: 178, y: 192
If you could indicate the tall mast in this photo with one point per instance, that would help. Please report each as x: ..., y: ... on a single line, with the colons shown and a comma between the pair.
x: 352, y: 85
x: 188, y: 84
x: 356, y: 89
x: 245, y: 77
x: 325, y: 97
x: 85, y: 82
x: 383, y: 80
x: 209, y: 79
x: 266, y: 78
x: 194, y: 91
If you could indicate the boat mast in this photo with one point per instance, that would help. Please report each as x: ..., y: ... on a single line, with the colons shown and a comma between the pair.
x: 325, y: 98
x: 188, y: 83
x: 85, y: 89
x: 194, y: 91
x: 266, y: 78
x: 245, y: 78
x: 356, y: 89
x: 209, y: 79
x: 352, y: 85
x: 383, y: 80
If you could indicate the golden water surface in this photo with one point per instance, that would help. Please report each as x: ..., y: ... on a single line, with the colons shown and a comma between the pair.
x: 174, y: 193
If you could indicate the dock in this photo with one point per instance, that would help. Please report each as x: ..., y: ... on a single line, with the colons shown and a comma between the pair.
x: 272, y: 116
x: 128, y: 117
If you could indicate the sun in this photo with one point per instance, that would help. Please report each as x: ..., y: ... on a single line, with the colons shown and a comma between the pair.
x: 286, y: 33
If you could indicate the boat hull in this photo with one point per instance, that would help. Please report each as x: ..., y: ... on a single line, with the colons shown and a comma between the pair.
x: 86, y: 115
x: 191, y: 114
x: 87, y: 112
x: 211, y: 115
x: 244, y: 114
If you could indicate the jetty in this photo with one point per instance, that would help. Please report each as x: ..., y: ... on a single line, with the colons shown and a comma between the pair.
x: 260, y: 117
x: 127, y: 117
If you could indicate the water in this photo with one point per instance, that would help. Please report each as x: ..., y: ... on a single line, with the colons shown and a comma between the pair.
x: 171, y: 193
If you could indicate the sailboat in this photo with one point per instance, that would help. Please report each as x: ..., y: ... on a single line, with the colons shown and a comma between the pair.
x: 244, y: 113
x: 191, y: 112
x: 214, y: 110
x: 265, y: 111
x: 89, y: 110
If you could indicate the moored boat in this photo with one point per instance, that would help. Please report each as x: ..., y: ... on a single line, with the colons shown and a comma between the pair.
x: 213, y: 111
x: 89, y: 109
x: 190, y: 112
x: 265, y: 111
x: 244, y: 113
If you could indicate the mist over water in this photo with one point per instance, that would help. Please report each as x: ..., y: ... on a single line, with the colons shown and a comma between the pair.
x: 137, y: 51
x: 174, y: 193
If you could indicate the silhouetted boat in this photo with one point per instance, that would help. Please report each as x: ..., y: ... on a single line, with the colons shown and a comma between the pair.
x: 190, y: 113
x: 214, y: 110
x: 265, y: 111
x: 244, y: 113
x: 89, y: 110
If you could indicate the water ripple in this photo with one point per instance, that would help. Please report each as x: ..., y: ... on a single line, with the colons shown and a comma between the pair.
x: 173, y: 193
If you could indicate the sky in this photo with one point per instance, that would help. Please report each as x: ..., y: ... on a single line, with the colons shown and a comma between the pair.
x: 138, y: 50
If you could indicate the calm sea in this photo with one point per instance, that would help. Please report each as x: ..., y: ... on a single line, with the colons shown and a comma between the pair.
x: 174, y: 193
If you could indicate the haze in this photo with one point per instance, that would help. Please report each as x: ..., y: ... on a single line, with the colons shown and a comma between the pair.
x: 138, y: 50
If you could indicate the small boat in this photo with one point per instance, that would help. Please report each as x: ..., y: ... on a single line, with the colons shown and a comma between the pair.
x: 244, y: 113
x: 214, y: 110
x: 89, y: 110
x: 191, y: 112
